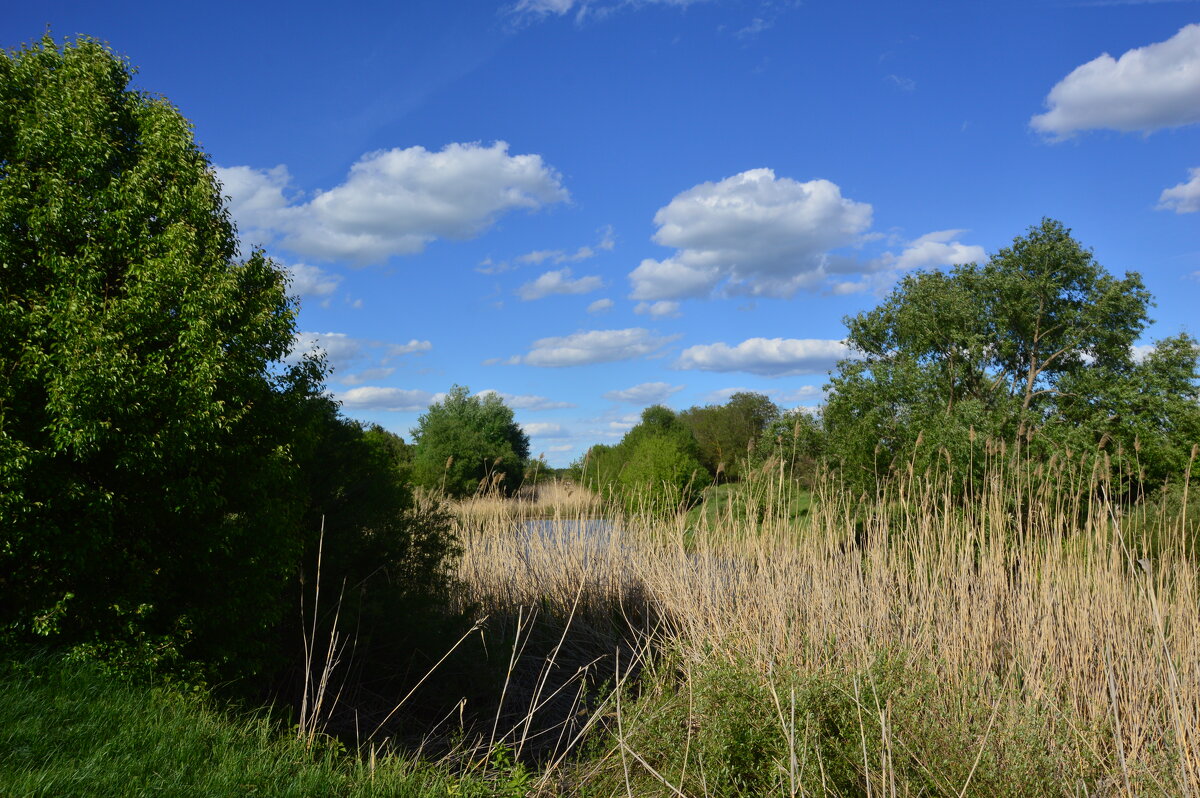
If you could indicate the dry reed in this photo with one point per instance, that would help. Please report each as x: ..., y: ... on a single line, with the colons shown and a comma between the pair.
x: 1030, y: 595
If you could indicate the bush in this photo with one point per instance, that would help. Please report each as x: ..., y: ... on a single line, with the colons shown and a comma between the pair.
x: 146, y: 483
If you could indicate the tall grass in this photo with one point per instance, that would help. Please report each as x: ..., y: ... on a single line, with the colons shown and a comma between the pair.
x: 1034, y: 637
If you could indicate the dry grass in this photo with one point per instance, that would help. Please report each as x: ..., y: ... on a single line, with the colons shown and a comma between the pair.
x: 1029, y: 599
x: 551, y: 499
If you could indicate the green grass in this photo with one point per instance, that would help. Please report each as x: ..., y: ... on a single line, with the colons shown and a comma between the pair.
x: 736, y: 502
x: 69, y: 730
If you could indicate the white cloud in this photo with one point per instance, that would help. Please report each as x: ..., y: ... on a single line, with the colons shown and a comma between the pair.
x: 935, y: 249
x: 560, y: 448
x: 648, y: 393
x: 1183, y: 198
x: 653, y: 279
x: 305, y: 280
x: 526, y: 401
x: 368, y: 375
x: 413, y: 347
x: 663, y: 309
x: 340, y: 349
x: 593, y: 346
x: 559, y: 282
x: 542, y: 429
x: 802, y: 394
x: 555, y: 256
x: 1140, y: 351
x: 768, y: 357
x: 1147, y: 88
x: 930, y: 251
x: 600, y: 306
x: 342, y: 353
x: 375, y: 398
x: 759, y: 234
x: 902, y: 83
x: 805, y: 393
x: 393, y: 202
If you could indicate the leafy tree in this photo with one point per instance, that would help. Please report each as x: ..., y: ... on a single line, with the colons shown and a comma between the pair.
x: 467, y: 442
x: 655, y: 467
x: 727, y: 433
x: 1027, y: 347
x: 793, y: 442
x: 146, y: 479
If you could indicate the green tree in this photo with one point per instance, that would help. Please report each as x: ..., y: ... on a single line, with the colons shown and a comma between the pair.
x: 655, y: 467
x: 1026, y: 347
x: 146, y: 480
x: 467, y: 442
x: 794, y: 442
x: 726, y: 434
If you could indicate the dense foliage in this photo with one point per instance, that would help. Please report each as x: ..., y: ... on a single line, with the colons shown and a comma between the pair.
x: 143, y: 414
x: 656, y: 467
x: 164, y: 474
x: 464, y: 443
x: 1033, y: 348
x: 726, y: 434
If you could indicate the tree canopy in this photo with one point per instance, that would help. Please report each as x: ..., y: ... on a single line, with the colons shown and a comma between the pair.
x: 656, y: 467
x: 144, y: 409
x: 464, y: 442
x: 1034, y: 345
x: 726, y: 434
x: 164, y: 472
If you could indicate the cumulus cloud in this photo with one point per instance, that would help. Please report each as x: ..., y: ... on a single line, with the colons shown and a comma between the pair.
x: 663, y: 309
x: 393, y: 202
x: 768, y: 357
x: 1147, y: 88
x: 593, y: 346
x: 343, y: 352
x: 933, y: 250
x: 542, y: 429
x: 556, y: 256
x: 340, y: 349
x: 755, y: 233
x: 648, y: 393
x: 305, y: 280
x: 1183, y: 198
x: 600, y: 306
x: 559, y: 282
x: 526, y: 401
x: 397, y: 399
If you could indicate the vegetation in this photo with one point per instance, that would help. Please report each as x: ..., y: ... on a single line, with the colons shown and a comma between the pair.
x: 726, y: 434
x: 165, y: 477
x: 974, y: 573
x: 893, y: 645
x: 656, y: 466
x: 145, y: 418
x: 1034, y: 347
x: 465, y: 443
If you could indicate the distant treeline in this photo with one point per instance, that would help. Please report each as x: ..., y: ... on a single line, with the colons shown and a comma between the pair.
x: 1030, y: 356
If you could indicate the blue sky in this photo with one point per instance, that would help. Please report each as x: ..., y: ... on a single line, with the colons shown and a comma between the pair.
x: 592, y: 205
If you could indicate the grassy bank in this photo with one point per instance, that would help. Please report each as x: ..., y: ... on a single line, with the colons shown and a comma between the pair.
x: 72, y: 730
